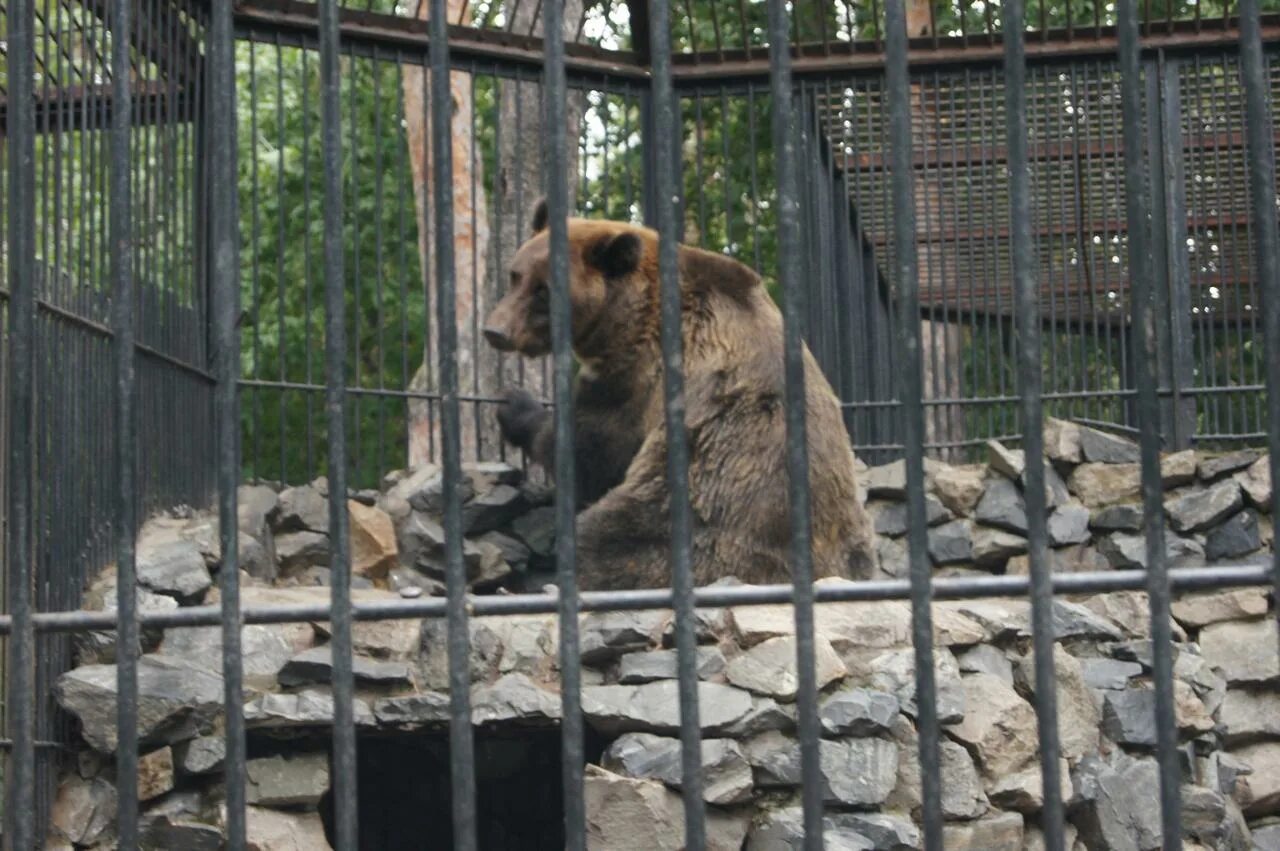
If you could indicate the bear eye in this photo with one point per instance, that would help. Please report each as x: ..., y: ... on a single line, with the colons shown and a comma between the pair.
x: 542, y: 294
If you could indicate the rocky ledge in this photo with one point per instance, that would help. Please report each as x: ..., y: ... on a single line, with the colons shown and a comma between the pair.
x: 1227, y: 669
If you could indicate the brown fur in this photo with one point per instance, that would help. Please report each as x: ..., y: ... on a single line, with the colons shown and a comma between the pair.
x: 734, y: 390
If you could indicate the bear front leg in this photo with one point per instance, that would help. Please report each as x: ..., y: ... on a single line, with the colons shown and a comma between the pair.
x: 528, y: 426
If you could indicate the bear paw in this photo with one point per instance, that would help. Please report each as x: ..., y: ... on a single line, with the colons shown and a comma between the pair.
x: 519, y: 416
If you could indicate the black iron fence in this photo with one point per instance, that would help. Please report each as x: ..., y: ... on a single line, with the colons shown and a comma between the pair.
x: 1114, y: 259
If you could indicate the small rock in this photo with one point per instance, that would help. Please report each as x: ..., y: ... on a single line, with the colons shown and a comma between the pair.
x: 537, y: 529
x: 644, y: 815
x: 887, y: 832
x: 1108, y: 674
x: 1007, y: 462
x: 1001, y: 832
x: 858, y: 772
x: 1129, y: 610
x: 423, y: 489
x: 962, y: 795
x: 1078, y: 716
x: 645, y: 667
x: 300, y: 508
x: 1259, y: 790
x: 1002, y: 506
x: 1122, y: 813
x: 959, y: 488
x: 783, y: 830
x: 894, y: 673
x: 202, y: 755
x: 993, y: 547
x: 950, y: 543
x: 770, y: 668
x: 1126, y: 517
x: 1072, y: 620
x: 1062, y: 441
x: 297, y: 780
x: 163, y: 832
x: 892, y: 558
x: 607, y: 635
x: 1238, y: 536
x: 1068, y: 524
x: 1178, y: 468
x: 766, y: 715
x: 654, y: 707
x: 264, y: 647
x: 1215, y: 467
x: 175, y: 569
x: 513, y: 550
x: 1024, y: 792
x: 888, y: 481
x: 300, y: 550
x: 84, y: 810
x: 985, y: 659
x: 1002, y: 728
x: 891, y: 517
x: 274, y: 830
x: 175, y: 701
x: 514, y: 697
x: 1198, y: 510
x: 307, y: 708
x: 726, y: 774
x: 1098, y: 485
x: 1128, y: 717
x: 1123, y: 551
x: 1256, y: 483
x: 1250, y: 715
x: 316, y: 666
x: 1198, y: 609
x: 485, y: 475
x: 1245, y: 652
x: 775, y: 759
x: 373, y: 542
x: 1100, y: 447
x: 1266, y: 837
x: 155, y: 774
x: 492, y: 510
x: 857, y: 712
x: 412, y: 709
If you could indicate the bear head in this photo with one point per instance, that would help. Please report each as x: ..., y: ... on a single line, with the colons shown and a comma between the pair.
x: 605, y: 268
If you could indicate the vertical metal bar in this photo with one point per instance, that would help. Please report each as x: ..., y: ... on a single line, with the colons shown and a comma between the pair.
x: 555, y: 166
x: 461, y: 749
x: 793, y: 296
x: 335, y: 345
x: 897, y: 85
x: 225, y: 295
x: 1182, y: 370
x: 1031, y: 389
x: 1262, y: 180
x: 1142, y: 277
x: 21, y: 696
x: 122, y: 302
x: 665, y: 119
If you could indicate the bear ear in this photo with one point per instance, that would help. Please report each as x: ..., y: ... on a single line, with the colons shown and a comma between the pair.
x: 540, y: 216
x: 616, y: 255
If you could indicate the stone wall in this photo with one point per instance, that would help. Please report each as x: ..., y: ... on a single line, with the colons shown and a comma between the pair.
x: 1227, y: 669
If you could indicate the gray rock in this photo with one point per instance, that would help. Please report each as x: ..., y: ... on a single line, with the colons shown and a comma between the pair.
x: 894, y: 673
x: 514, y: 697
x: 1258, y: 792
x: 765, y: 715
x: 485, y: 475
x: 84, y: 811
x: 1245, y: 652
x: 1216, y: 467
x: 297, y: 551
x: 726, y: 774
x: 202, y: 755
x: 993, y: 547
x: 297, y: 780
x: 775, y: 759
x: 1238, y: 536
x: 1062, y: 441
x: 1078, y: 718
x: 1199, y: 509
x: 175, y: 701
x: 307, y: 708
x: 316, y: 666
x: 492, y: 510
x: 1123, y: 551
x: 1072, y: 620
x: 891, y: 518
x: 1249, y: 715
x: 1128, y: 717
x: 888, y: 481
x: 175, y: 569
x: 514, y: 551
x: 783, y: 830
x: 858, y: 772
x: 708, y: 625
x: 951, y: 543
x: 1266, y: 837
x: 985, y: 659
x: 887, y: 832
x: 1122, y: 811
x: 1002, y: 506
x: 1024, y: 791
x: 1222, y: 771
x: 264, y: 647
x: 423, y: 489
x: 959, y: 488
x: 1195, y: 610
x: 607, y: 635
x: 1002, y: 832
x: 412, y: 709
x: 1007, y: 462
x: 1001, y: 728
x: 1109, y: 674
x: 769, y: 668
x: 644, y: 667
x: 624, y: 813
x: 1125, y: 517
x: 1102, y: 448
x: 1068, y: 524
x: 537, y: 528
x: 99, y: 648
x: 962, y: 795
x: 1256, y: 483
x: 892, y: 558
x: 162, y: 833
x: 654, y: 707
x: 857, y: 712
x: 300, y: 508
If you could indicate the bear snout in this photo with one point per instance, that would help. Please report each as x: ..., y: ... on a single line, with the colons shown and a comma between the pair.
x: 498, y: 338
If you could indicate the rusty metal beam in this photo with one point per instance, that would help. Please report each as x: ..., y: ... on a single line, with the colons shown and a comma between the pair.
x: 1113, y: 226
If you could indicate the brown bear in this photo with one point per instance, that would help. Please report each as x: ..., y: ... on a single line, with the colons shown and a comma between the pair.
x: 735, y: 395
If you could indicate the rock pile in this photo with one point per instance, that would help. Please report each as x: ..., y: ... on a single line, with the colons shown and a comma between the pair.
x: 1227, y: 668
